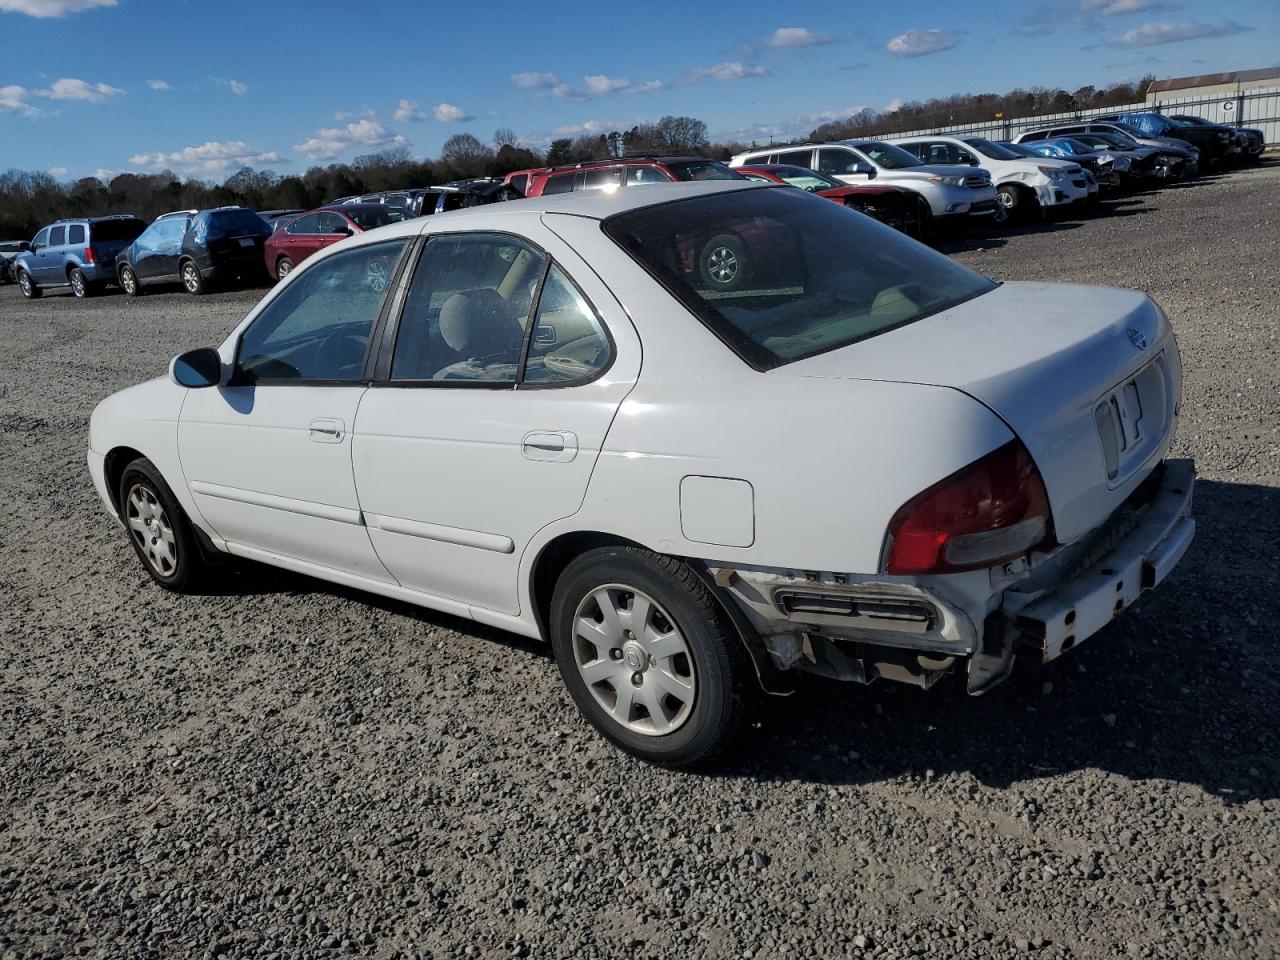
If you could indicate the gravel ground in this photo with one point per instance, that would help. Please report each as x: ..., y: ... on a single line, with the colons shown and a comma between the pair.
x: 290, y: 769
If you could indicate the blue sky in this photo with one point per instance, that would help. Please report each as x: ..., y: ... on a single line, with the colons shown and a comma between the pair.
x: 206, y: 86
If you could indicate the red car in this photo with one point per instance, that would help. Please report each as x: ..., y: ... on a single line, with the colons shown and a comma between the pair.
x: 611, y: 174
x: 297, y: 238
x: 894, y: 206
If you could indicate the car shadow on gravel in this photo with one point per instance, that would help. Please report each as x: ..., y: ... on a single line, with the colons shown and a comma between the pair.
x: 1184, y: 688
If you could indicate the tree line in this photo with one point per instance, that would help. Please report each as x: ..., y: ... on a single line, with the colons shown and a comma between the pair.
x: 31, y: 199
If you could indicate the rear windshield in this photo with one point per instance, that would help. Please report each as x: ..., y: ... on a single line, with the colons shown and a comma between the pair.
x: 887, y: 155
x: 236, y: 223
x: 107, y: 230
x: 702, y: 170
x: 369, y: 217
x: 780, y: 275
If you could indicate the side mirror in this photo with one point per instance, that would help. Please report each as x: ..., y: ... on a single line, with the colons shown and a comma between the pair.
x: 196, y: 368
x: 25, y: 246
x: 342, y: 231
x: 865, y: 168
x: 33, y: 247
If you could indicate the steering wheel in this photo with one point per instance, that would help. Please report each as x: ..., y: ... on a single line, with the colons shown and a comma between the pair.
x: 336, y: 343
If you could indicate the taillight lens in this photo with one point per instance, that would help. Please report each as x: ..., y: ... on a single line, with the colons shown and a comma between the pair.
x: 89, y: 255
x: 993, y: 510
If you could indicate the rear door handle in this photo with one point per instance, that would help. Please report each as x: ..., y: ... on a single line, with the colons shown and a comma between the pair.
x: 558, y: 446
x: 327, y: 431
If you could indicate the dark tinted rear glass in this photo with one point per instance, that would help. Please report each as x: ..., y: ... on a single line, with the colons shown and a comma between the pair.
x: 702, y: 170
x: 109, y: 230
x: 236, y: 223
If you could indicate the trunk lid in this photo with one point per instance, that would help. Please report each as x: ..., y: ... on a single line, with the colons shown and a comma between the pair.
x: 1088, y: 378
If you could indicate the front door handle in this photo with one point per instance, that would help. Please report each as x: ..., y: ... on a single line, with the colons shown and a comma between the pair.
x: 327, y: 431
x: 558, y: 446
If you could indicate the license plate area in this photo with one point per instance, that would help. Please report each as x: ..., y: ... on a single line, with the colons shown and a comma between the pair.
x: 246, y: 241
x: 1132, y: 420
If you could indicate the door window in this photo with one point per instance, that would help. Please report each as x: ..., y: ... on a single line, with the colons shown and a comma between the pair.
x: 467, y: 309
x: 318, y: 328
x: 560, y: 183
x: 568, y: 344
x: 604, y: 179
x: 639, y: 176
x: 42, y: 238
x: 798, y: 158
x: 836, y: 163
x: 330, y: 224
x: 305, y: 225
x: 57, y: 236
x: 75, y: 234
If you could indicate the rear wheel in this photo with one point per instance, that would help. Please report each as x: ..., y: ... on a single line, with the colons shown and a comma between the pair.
x: 159, y: 529
x: 192, y: 280
x: 79, y: 285
x: 129, y: 280
x: 648, y: 656
x: 27, y: 286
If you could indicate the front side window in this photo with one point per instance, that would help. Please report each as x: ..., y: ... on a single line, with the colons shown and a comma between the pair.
x: 887, y: 155
x: 304, y: 226
x: 568, y: 342
x: 42, y: 238
x: 465, y: 315
x: 641, y: 176
x: 806, y: 277
x: 690, y: 170
x: 606, y: 178
x: 836, y: 162
x: 57, y: 236
x: 318, y: 328
x: 332, y: 224
x: 367, y: 218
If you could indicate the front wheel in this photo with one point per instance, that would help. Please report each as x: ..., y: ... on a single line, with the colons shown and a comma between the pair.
x: 159, y: 530
x: 284, y: 267
x: 1009, y: 205
x: 649, y: 657
x: 191, y: 278
x: 27, y: 286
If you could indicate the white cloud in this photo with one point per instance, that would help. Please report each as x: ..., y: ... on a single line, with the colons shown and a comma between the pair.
x: 587, y: 126
x: 13, y: 99
x: 367, y: 133
x: 799, y: 37
x: 103, y: 174
x: 407, y: 111
x: 727, y: 71
x: 159, y: 85
x: 52, y: 8
x: 919, y: 43
x: 237, y: 87
x: 58, y: 171
x: 534, y: 81
x: 211, y: 157
x: 1046, y: 18
x: 449, y: 113
x: 893, y: 105
x: 68, y: 88
x: 1156, y: 32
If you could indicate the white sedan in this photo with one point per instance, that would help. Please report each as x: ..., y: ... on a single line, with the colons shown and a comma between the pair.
x: 864, y: 461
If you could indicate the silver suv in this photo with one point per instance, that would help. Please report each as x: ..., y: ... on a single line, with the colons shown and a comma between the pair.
x: 78, y: 253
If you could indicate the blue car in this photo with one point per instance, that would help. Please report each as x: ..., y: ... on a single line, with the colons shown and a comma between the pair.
x: 79, y: 253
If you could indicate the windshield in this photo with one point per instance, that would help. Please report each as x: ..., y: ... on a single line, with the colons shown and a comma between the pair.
x: 1103, y: 142
x: 1077, y: 146
x: 888, y: 156
x: 702, y: 170
x: 809, y: 180
x: 990, y: 149
x: 806, y: 277
x: 367, y: 218
x: 1020, y: 149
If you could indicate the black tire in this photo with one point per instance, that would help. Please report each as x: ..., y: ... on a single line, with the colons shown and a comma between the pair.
x: 79, y: 285
x: 192, y: 280
x: 1012, y: 202
x: 284, y: 266
x: 28, y: 286
x: 129, y: 282
x: 188, y: 569
x: 714, y: 654
x: 724, y: 264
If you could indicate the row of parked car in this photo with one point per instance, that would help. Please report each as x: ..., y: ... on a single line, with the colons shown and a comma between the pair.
x: 914, y: 184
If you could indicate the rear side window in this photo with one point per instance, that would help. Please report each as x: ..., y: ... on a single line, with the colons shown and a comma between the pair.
x: 467, y: 310
x: 57, y: 236
x: 107, y: 231
x: 568, y: 344
x: 560, y: 183
x: 75, y: 234
x: 799, y: 158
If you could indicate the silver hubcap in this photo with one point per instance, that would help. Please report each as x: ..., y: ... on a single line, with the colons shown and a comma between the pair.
x: 77, y: 283
x: 191, y: 278
x: 378, y: 276
x: 634, y: 660
x: 24, y: 282
x: 283, y: 268
x: 151, y: 531
x: 722, y: 264
x: 1006, y: 199
x: 129, y: 283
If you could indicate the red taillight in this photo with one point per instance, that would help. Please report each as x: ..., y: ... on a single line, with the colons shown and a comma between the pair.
x: 89, y: 255
x: 993, y: 510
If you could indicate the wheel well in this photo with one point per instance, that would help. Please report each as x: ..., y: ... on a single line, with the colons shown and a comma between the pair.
x: 113, y: 469
x: 69, y: 268
x: 557, y: 555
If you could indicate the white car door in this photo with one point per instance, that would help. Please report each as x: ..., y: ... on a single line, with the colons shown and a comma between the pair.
x: 510, y: 360
x: 267, y: 456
